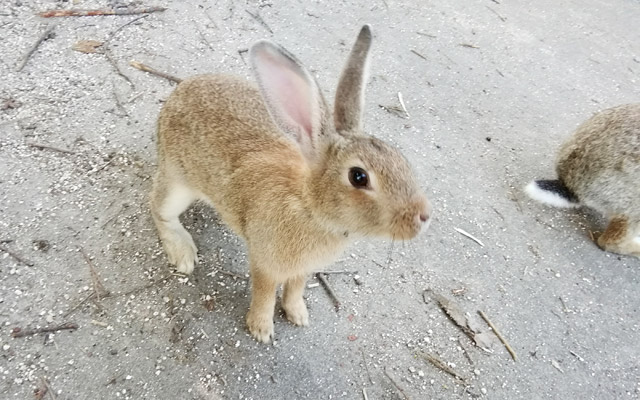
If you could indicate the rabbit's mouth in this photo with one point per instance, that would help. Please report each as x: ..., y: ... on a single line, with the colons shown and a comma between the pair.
x: 408, y: 223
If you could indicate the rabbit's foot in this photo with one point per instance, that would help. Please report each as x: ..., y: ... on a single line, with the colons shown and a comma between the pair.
x: 297, y: 312
x: 181, y: 251
x: 260, y: 326
x: 621, y: 237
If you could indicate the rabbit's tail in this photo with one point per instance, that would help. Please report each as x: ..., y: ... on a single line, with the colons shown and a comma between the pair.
x: 553, y: 193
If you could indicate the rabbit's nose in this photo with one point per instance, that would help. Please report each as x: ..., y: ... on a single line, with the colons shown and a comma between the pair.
x: 423, y: 215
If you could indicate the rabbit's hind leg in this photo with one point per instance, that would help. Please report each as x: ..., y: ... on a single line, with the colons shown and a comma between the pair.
x: 622, y: 236
x: 169, y: 199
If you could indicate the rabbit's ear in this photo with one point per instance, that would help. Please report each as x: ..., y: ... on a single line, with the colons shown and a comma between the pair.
x: 290, y: 93
x: 349, y: 101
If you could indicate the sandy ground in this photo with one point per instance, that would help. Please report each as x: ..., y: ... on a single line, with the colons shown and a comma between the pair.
x: 492, y: 87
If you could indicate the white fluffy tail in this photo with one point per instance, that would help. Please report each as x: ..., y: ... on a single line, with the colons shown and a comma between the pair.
x: 553, y: 193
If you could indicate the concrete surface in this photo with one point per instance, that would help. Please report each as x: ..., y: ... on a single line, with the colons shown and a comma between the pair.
x: 494, y: 88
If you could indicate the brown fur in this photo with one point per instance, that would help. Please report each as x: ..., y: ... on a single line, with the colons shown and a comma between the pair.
x: 619, y: 237
x: 286, y: 194
x: 600, y: 164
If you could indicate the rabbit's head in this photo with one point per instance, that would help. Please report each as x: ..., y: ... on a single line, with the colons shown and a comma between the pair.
x: 356, y: 183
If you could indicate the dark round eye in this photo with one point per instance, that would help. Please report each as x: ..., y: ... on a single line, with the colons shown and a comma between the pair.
x: 358, y: 177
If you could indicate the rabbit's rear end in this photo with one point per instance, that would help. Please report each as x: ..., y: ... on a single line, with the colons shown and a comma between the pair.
x: 599, y: 167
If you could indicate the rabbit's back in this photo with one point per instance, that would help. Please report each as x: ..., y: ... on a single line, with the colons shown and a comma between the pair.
x: 600, y: 163
x: 215, y: 133
x: 221, y: 117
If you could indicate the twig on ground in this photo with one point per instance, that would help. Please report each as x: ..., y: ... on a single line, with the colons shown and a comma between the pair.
x: 393, y: 110
x: 337, y: 272
x: 44, y: 36
x: 114, y: 379
x: 98, y: 12
x: 98, y: 287
x: 258, y: 18
x: 16, y: 256
x: 441, y: 365
x: 465, y: 352
x: 18, y: 332
x: 241, y: 52
x: 364, y: 361
x: 107, y: 53
x: 111, y: 295
x: 404, y: 108
x: 576, y: 355
x: 470, y: 236
x: 557, y: 366
x: 142, y: 288
x: 41, y: 391
x: 395, y: 384
x: 112, y: 60
x: 329, y: 289
x: 121, y: 27
x: 458, y: 292
x: 52, y: 148
x: 146, y: 68
x: 103, y: 166
x: 503, y: 19
x: 117, y: 100
x: 233, y: 274
x: 515, y: 198
x: 364, y: 393
x: 204, y: 39
x: 564, y: 306
x: 497, y: 333
x: 426, y: 34
x: 48, y: 389
x: 74, y: 308
x: 418, y: 54
x: 469, y: 45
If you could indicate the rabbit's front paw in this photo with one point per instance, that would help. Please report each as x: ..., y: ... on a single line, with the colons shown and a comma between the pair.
x: 297, y: 312
x: 260, y: 326
x: 182, y: 252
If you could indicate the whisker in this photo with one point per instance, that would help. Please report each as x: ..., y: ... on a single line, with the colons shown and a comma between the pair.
x: 393, y: 239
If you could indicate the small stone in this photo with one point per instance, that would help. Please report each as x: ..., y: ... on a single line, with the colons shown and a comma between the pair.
x: 483, y: 390
x: 412, y: 370
x: 421, y: 374
x: 476, y: 372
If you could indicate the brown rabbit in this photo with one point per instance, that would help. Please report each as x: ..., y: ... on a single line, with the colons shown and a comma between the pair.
x: 296, y: 184
x: 599, y: 167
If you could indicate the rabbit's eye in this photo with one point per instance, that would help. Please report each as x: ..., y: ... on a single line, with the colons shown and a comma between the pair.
x: 358, y: 177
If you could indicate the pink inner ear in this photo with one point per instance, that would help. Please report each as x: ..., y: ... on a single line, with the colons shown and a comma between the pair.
x: 288, y: 90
